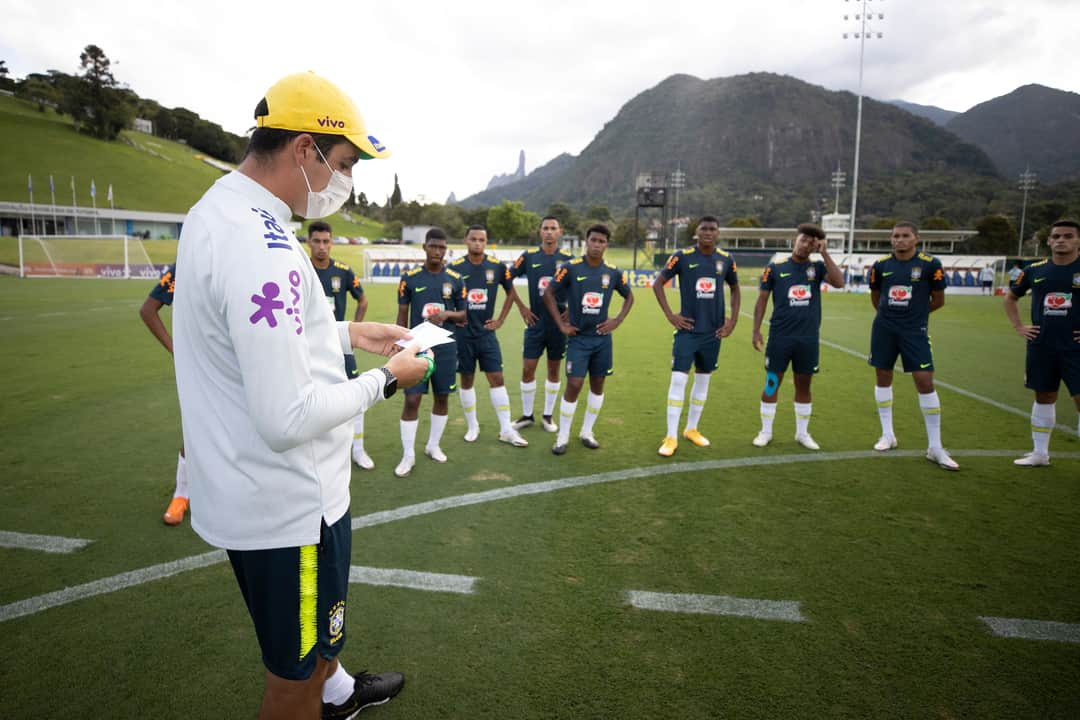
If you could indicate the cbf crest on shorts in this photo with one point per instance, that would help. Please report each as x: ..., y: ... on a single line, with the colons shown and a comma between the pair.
x: 337, y: 621
x: 447, y: 290
x: 335, y: 283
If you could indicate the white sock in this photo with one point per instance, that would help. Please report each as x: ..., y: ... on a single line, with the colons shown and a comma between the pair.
x: 802, y: 418
x: 592, y: 411
x: 438, y: 424
x: 338, y: 687
x: 408, y: 437
x: 358, y: 433
x: 1043, y: 418
x: 181, y: 477
x: 768, y: 415
x: 468, y: 406
x: 883, y: 396
x: 528, y: 397
x: 566, y: 413
x: 500, y: 400
x: 698, y: 394
x: 551, y: 396
x: 931, y: 412
x: 676, y: 394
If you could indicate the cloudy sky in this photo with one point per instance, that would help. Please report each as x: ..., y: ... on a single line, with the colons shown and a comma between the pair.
x: 455, y: 90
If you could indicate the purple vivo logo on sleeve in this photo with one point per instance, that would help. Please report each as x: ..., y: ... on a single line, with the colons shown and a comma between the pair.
x: 267, y: 303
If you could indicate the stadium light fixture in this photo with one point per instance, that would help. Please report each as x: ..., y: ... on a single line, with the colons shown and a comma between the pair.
x: 1028, y: 180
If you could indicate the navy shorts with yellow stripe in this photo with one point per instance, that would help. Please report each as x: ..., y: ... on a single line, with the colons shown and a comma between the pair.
x: 543, y: 338
x: 351, y: 371
x: 802, y: 353
x: 702, y: 350
x: 483, y: 350
x: 913, y: 347
x: 1045, y: 370
x: 589, y: 355
x: 444, y: 380
x: 296, y: 599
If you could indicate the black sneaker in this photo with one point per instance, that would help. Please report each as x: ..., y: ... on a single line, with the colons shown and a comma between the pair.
x: 523, y: 422
x: 368, y: 690
x: 559, y: 450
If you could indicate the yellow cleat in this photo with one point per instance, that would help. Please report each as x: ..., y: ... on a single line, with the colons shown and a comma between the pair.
x: 174, y: 515
x: 695, y: 437
x: 667, y: 448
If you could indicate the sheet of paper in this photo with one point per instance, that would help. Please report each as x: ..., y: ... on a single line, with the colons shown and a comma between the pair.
x: 428, y: 335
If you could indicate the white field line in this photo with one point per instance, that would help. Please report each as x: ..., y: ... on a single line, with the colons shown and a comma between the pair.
x: 432, y: 582
x: 156, y: 572
x: 41, y: 543
x: 1033, y: 629
x: 785, y: 610
x: 942, y: 383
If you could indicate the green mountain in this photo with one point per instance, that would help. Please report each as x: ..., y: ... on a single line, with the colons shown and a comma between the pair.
x: 1033, y: 125
x: 936, y: 115
x: 765, y: 145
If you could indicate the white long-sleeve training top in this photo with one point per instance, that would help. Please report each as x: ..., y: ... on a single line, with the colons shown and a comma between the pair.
x: 265, y: 403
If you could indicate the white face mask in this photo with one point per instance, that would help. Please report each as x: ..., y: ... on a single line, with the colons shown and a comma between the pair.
x: 329, y: 200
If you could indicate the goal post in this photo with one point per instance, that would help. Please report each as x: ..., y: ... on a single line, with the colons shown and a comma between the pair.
x: 85, y: 256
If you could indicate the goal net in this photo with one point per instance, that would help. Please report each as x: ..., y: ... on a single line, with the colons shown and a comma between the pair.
x: 84, y: 256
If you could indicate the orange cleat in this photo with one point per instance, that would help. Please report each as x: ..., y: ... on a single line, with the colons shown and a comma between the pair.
x: 174, y: 515
x: 695, y: 437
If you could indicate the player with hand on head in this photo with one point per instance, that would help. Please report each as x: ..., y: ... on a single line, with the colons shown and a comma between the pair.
x: 436, y: 294
x: 160, y: 295
x: 338, y: 281
x: 477, y: 344
x: 1053, y: 337
x: 905, y: 287
x: 700, y: 325
x: 542, y: 335
x: 795, y: 288
x: 588, y: 284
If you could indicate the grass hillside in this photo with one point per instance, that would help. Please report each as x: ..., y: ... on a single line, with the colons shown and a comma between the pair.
x: 146, y: 172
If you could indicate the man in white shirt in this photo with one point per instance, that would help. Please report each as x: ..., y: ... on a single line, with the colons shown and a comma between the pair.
x: 265, y: 401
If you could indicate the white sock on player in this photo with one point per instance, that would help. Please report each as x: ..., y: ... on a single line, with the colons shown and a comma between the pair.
x: 500, y: 400
x: 566, y: 418
x: 802, y: 418
x: 931, y: 411
x: 551, y: 396
x: 676, y: 394
x: 181, y: 477
x: 528, y: 397
x: 438, y: 424
x: 884, y: 398
x: 338, y: 687
x: 358, y: 432
x: 1043, y: 419
x: 408, y: 437
x: 768, y: 415
x: 698, y: 395
x: 592, y: 411
x: 468, y: 407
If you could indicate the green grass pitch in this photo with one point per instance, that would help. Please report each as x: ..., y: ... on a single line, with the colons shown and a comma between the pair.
x: 892, y: 559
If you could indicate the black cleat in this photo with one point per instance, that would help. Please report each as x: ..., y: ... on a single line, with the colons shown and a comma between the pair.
x: 559, y: 450
x: 368, y: 690
x: 523, y: 422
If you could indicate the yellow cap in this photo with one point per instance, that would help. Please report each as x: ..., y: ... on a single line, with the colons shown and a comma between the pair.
x: 306, y: 102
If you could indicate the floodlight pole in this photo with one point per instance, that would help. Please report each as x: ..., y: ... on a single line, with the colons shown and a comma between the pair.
x: 861, y: 35
x: 1027, y: 182
x: 678, y: 181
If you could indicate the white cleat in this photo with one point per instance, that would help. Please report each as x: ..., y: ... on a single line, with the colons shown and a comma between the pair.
x: 762, y: 439
x: 1032, y: 459
x: 472, y: 434
x: 514, y: 438
x: 939, y: 456
x: 589, y: 441
x: 548, y: 425
x: 362, y: 459
x: 885, y: 442
x: 405, y: 466
x: 435, y: 453
x: 807, y: 442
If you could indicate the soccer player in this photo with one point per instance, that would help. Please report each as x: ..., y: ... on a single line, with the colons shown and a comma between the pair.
x: 587, y: 283
x: 699, y: 326
x: 338, y: 281
x: 795, y: 288
x: 477, y: 344
x: 905, y: 287
x: 542, y: 335
x: 1053, y: 337
x: 265, y: 402
x: 434, y: 293
x: 162, y: 294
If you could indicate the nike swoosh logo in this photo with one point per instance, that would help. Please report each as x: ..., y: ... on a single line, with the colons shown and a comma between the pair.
x: 694, y: 265
x: 536, y: 264
x: 1038, y: 280
x: 924, y: 365
x: 582, y: 277
x: 886, y: 274
x: 421, y: 289
x: 784, y: 275
x: 815, y: 368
